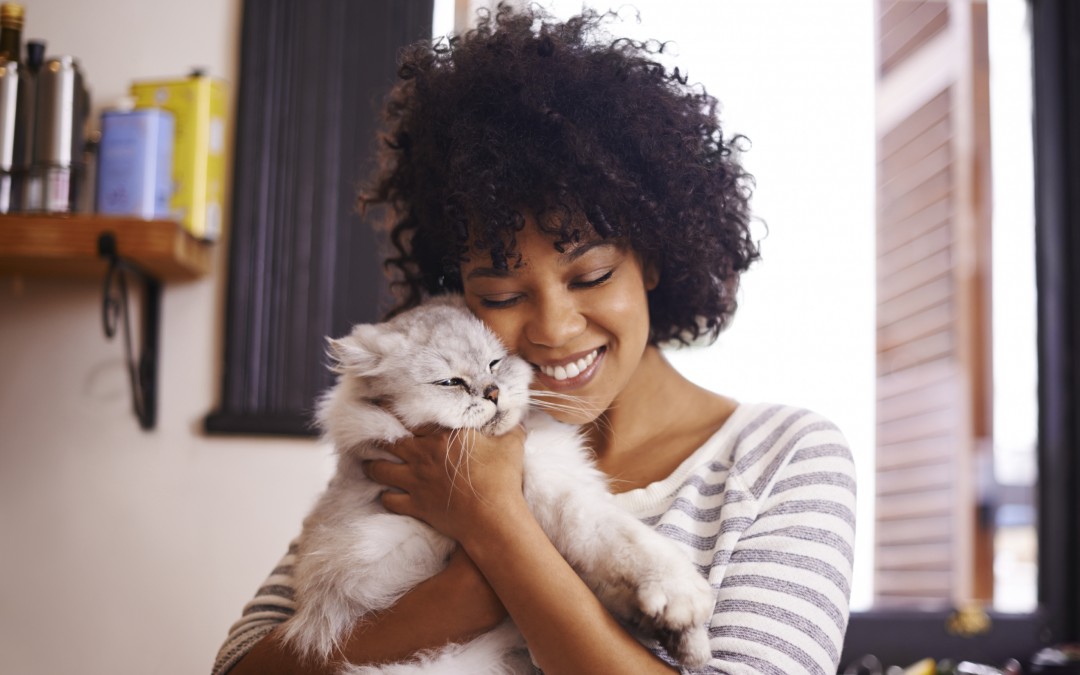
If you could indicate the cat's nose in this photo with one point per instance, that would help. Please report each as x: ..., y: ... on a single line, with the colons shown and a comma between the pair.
x: 491, y: 393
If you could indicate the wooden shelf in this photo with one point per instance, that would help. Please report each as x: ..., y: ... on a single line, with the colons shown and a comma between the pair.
x: 67, y: 246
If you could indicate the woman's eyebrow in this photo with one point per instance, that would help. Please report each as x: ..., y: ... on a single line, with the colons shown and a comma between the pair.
x: 581, y: 249
x: 487, y: 273
x: 564, y: 259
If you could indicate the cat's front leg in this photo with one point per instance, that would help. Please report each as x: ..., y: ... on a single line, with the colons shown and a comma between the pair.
x: 644, y: 578
x: 640, y: 576
x: 667, y: 598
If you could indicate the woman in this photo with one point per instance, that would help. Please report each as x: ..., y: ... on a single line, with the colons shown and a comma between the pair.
x: 585, y: 202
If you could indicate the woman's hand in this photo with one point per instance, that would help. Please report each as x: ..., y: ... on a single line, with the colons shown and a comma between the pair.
x: 470, y: 488
x: 454, y: 480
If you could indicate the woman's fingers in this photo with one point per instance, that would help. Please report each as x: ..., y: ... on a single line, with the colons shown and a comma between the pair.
x: 397, y: 479
x: 390, y: 474
x: 399, y: 503
x: 428, y: 430
x: 450, y: 478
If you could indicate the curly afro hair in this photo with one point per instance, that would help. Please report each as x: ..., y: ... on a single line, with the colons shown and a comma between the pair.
x: 589, y: 134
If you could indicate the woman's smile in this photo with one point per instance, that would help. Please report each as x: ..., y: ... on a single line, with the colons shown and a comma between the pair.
x: 571, y: 373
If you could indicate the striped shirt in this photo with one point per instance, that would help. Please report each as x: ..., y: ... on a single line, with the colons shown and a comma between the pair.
x: 765, y: 509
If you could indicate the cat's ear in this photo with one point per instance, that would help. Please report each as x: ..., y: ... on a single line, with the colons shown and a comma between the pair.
x: 358, y: 353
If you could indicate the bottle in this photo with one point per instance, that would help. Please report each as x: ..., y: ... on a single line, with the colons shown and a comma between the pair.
x: 11, y: 22
x: 35, y: 55
x: 11, y: 25
x: 63, y: 105
x: 25, y: 118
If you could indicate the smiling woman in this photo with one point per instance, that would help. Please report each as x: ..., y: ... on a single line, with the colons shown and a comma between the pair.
x: 585, y: 201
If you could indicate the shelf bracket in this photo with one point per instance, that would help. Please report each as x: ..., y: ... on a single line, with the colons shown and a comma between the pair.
x: 114, y: 313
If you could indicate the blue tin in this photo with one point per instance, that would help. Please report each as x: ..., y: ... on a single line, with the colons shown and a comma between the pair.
x: 134, y: 175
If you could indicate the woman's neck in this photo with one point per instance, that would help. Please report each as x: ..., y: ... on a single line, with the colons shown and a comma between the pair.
x: 658, y: 420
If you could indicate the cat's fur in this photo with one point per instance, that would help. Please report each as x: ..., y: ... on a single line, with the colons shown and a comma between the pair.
x: 437, y: 364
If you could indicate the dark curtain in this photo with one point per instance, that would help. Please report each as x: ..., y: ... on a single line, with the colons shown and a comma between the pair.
x: 303, y: 264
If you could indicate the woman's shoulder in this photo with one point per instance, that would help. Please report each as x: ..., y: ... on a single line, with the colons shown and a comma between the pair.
x: 768, y: 443
x: 759, y: 438
x: 777, y: 422
x: 760, y: 435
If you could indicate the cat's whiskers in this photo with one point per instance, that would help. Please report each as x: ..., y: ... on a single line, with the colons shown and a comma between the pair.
x: 569, y: 403
x: 470, y: 437
x: 550, y: 400
x: 467, y: 437
x: 452, y: 470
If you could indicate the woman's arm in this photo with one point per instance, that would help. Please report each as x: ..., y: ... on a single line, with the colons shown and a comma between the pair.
x: 483, y: 508
x: 453, y: 606
x: 567, y: 629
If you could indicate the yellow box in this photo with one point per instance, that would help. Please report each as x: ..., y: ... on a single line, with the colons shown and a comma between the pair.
x: 198, y: 105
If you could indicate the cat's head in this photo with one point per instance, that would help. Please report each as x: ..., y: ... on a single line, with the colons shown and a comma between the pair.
x: 437, y: 364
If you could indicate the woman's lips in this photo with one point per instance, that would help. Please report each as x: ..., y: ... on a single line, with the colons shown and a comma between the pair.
x: 572, y: 374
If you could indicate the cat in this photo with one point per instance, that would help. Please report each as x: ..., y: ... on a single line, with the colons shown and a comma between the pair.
x: 437, y: 363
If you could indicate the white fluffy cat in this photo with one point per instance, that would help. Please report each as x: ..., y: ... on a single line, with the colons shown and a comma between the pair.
x: 439, y: 364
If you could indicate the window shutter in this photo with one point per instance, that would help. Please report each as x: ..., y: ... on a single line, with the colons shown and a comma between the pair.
x: 933, y: 344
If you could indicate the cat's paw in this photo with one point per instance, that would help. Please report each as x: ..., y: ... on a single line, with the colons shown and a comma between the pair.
x: 674, y: 610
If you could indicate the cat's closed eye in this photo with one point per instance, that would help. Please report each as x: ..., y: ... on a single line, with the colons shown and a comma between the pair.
x: 452, y: 382
x: 491, y: 366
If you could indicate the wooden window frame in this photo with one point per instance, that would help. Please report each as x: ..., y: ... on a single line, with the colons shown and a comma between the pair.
x: 902, y: 637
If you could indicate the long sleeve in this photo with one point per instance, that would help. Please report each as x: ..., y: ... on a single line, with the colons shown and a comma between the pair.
x: 271, y: 606
x: 766, y: 510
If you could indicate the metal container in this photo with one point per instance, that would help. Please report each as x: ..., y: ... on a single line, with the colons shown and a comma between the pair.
x: 9, y: 98
x: 63, y: 106
x: 16, y: 119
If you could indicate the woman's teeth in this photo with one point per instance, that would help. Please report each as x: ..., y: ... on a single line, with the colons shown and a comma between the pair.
x: 574, y: 369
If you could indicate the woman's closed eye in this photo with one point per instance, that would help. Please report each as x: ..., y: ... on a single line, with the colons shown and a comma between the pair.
x: 503, y: 300
x: 596, y: 279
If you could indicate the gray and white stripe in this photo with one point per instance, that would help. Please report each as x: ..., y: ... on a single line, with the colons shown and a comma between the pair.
x: 767, y: 512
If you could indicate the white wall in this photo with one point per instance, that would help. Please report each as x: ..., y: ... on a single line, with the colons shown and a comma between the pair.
x: 123, y: 551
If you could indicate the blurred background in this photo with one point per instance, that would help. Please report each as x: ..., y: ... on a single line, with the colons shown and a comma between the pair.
x: 126, y: 550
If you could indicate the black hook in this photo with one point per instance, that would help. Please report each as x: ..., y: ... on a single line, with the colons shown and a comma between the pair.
x: 114, y: 314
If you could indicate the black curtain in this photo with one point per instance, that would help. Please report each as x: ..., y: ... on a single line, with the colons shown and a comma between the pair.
x: 303, y: 264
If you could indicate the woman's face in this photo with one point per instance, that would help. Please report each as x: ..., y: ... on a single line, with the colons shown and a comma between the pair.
x: 581, y: 318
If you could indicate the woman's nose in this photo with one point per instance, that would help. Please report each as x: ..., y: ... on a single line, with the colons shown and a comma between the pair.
x: 556, y: 322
